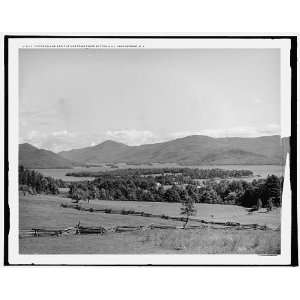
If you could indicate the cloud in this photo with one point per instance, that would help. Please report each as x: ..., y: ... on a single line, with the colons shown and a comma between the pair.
x: 132, y: 137
x: 65, y: 140
x: 58, y: 140
x: 257, y: 100
x: 242, y: 131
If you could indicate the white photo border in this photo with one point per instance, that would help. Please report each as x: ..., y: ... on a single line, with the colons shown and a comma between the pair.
x: 14, y: 43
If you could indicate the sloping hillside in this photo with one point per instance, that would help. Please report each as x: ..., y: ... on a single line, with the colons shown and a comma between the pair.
x: 32, y: 157
x: 108, y: 151
x: 197, y: 149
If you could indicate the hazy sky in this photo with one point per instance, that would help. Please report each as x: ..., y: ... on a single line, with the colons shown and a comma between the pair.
x: 76, y: 98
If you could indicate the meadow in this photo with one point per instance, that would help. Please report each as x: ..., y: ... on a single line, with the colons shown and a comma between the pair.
x: 46, y: 211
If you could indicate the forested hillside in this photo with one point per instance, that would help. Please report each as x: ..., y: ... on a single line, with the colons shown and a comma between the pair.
x: 191, y: 150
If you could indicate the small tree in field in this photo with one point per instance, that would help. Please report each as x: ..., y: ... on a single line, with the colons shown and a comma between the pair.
x: 187, y: 207
x: 259, y: 204
x: 270, y: 204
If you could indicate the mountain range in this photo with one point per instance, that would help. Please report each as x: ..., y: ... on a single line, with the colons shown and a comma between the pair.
x: 190, y: 150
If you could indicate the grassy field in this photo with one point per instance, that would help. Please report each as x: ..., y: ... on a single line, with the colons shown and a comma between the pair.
x: 202, y: 241
x: 208, y: 212
x: 45, y: 211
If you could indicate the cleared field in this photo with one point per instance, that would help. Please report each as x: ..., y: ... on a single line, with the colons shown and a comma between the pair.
x: 45, y: 211
x: 208, y: 212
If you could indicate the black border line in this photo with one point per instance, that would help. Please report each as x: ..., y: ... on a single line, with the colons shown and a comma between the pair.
x: 293, y: 143
x: 6, y: 166
x: 293, y: 153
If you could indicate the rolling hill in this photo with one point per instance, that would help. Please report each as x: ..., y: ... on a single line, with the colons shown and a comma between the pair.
x: 108, y: 151
x: 34, y: 158
x: 191, y: 150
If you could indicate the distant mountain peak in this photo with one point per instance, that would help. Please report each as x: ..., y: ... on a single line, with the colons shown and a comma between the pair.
x: 35, y: 158
x: 196, y: 137
x: 113, y: 143
x: 108, y: 144
x: 27, y: 146
x: 189, y: 150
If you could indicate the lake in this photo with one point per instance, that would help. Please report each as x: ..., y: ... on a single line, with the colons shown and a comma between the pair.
x: 261, y: 171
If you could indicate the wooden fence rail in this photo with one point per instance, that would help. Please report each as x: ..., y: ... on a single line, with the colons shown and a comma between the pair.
x: 99, y: 230
x: 162, y: 216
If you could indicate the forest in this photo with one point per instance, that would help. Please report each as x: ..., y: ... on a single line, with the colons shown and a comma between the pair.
x: 34, y: 182
x: 169, y: 186
x: 192, y: 173
x: 266, y: 192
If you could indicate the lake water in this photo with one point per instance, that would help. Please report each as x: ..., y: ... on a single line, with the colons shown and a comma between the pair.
x: 260, y: 171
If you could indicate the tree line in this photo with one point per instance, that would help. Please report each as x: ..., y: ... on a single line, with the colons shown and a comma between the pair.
x: 162, y: 188
x: 262, y: 192
x: 192, y: 173
x: 34, y: 182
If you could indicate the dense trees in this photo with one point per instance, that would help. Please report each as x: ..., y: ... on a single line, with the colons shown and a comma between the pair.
x: 172, y: 195
x: 140, y: 188
x: 163, y: 173
x: 132, y: 185
x: 273, y: 190
x: 34, y: 182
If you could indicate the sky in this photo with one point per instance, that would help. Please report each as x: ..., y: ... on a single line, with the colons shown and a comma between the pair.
x: 73, y: 98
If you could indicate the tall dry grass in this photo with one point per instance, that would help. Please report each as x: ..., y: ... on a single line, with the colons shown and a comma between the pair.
x: 215, y: 241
